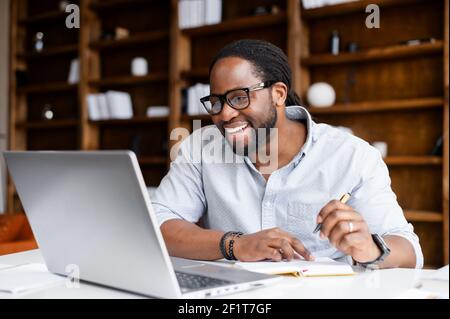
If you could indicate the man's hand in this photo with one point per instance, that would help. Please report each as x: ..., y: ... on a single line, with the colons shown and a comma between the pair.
x: 273, y: 244
x: 347, y: 231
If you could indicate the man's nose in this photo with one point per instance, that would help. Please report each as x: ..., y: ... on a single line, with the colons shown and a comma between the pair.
x: 228, y: 113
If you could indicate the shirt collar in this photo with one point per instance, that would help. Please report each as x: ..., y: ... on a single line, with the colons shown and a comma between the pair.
x: 296, y: 112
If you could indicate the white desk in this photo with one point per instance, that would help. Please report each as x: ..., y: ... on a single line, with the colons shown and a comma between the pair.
x: 389, y: 283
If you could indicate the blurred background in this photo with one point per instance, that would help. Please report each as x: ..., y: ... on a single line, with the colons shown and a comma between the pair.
x: 121, y: 74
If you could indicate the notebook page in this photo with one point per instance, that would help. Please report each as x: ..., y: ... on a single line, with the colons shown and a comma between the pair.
x: 319, y: 267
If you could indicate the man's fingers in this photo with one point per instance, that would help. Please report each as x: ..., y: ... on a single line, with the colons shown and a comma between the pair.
x: 273, y: 254
x: 335, y: 217
x: 330, y: 207
x: 284, y: 246
x: 301, y: 250
x: 349, y: 241
x: 342, y: 228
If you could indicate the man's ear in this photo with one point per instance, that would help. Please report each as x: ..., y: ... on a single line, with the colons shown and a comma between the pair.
x: 279, y: 93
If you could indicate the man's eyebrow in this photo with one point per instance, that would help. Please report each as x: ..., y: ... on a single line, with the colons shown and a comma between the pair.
x: 236, y: 88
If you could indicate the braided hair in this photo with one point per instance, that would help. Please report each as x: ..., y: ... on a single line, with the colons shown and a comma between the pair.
x: 269, y: 62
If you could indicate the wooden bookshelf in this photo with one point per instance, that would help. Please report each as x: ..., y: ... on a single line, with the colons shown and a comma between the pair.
x: 135, y: 120
x: 48, y: 124
x: 423, y: 216
x: 351, y: 7
x: 376, y: 54
x: 114, y: 4
x: 129, y: 80
x: 380, y: 106
x: 67, y: 49
x: 413, y: 160
x: 138, y: 39
x: 47, y: 88
x: 370, y: 102
x: 237, y: 24
x: 385, y: 91
x: 44, y: 17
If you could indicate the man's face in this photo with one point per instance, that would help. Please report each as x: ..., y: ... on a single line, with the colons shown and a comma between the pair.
x: 239, y: 126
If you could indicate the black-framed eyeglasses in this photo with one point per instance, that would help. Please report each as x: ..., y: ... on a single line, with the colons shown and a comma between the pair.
x: 237, y: 98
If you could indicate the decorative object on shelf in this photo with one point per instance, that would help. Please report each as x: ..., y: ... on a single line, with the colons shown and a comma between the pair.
x: 353, y: 47
x: 38, y: 41
x: 321, y: 94
x: 117, y: 33
x: 74, y: 72
x: 139, y: 66
x: 121, y: 33
x: 382, y: 147
x: 63, y: 4
x: 157, y: 111
x: 195, y: 13
x: 335, y: 42
x: 47, y: 112
x: 418, y: 41
x: 261, y: 10
x: 437, y: 149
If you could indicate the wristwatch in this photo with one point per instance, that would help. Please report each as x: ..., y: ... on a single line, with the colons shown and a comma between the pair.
x: 385, y: 251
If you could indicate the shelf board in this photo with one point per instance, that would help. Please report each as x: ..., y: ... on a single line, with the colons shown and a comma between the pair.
x: 202, y: 117
x: 386, y: 53
x: 67, y: 49
x: 47, y: 87
x: 377, y: 106
x: 48, y: 124
x: 423, y: 216
x: 152, y: 160
x: 44, y: 17
x: 238, y: 24
x: 115, y: 4
x: 413, y: 160
x: 350, y: 7
x: 135, y: 120
x: 199, y: 73
x: 137, y: 39
x: 129, y: 80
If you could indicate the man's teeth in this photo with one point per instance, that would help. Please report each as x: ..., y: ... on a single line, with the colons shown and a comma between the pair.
x: 236, y: 129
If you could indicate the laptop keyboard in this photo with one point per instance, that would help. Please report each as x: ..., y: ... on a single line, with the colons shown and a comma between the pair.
x: 197, y: 282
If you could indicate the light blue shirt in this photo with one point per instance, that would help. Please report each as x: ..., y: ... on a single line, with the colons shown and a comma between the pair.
x: 235, y: 196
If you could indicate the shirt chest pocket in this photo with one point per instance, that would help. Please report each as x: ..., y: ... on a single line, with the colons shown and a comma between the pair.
x: 301, y: 221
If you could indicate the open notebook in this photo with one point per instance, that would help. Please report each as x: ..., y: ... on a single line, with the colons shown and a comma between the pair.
x: 319, y: 267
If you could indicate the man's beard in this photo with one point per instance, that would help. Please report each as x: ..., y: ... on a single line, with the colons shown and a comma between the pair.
x: 260, y: 138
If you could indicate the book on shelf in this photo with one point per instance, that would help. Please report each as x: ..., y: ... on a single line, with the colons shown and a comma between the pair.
x: 194, y: 94
x: 157, y: 111
x: 312, y: 4
x: 195, y: 13
x: 74, y: 72
x: 110, y: 105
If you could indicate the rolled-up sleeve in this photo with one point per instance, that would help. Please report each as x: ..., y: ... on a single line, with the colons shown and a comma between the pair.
x: 374, y: 199
x: 180, y: 194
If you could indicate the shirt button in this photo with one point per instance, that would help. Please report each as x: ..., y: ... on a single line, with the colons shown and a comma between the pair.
x: 268, y: 204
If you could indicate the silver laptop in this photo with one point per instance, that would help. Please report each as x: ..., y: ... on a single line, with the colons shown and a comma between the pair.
x: 92, y: 210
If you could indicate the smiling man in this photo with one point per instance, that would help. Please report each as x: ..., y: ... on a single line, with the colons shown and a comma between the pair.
x: 253, y: 211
